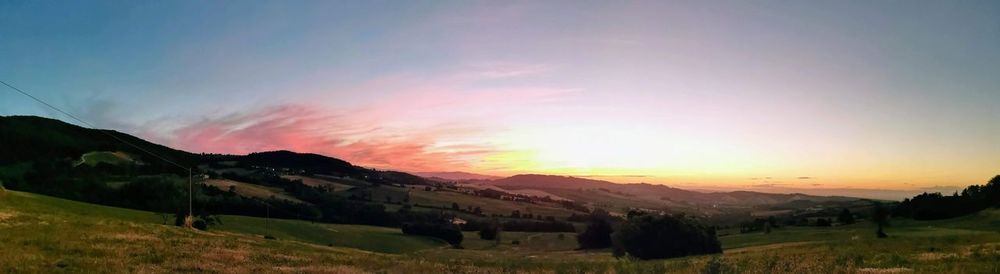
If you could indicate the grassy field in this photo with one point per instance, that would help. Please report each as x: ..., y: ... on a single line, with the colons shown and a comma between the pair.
x: 310, y: 181
x: 444, y: 198
x: 371, y: 238
x: 40, y: 234
x: 251, y: 190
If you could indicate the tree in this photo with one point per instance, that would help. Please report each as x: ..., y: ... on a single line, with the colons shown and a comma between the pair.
x: 881, y: 217
x: 454, y: 206
x: 597, y: 235
x: 490, y: 231
x: 935, y: 206
x: 655, y: 236
x: 845, y: 217
x: 823, y: 222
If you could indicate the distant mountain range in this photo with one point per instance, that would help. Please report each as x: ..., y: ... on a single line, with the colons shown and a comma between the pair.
x: 31, y: 139
x: 651, y: 193
x: 456, y: 176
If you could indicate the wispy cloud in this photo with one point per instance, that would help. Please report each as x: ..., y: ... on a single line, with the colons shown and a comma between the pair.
x: 417, y: 124
x: 308, y: 129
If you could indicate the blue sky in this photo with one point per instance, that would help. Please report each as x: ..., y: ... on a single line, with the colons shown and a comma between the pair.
x: 893, y: 94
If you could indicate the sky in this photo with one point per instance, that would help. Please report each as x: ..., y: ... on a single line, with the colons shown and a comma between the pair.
x: 765, y: 95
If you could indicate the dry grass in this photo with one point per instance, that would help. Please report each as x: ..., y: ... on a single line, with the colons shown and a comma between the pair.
x: 56, y: 238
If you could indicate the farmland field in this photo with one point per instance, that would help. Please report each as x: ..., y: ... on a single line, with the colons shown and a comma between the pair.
x: 43, y: 234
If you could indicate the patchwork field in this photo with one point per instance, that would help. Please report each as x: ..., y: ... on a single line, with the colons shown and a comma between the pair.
x: 310, y: 181
x: 250, y: 190
x: 444, y: 199
x: 40, y: 234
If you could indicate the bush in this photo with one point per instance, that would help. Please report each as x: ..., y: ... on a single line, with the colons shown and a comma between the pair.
x: 845, y: 217
x: 200, y: 225
x: 489, y: 231
x: 664, y: 236
x: 597, y: 235
x: 823, y: 222
x: 444, y: 231
x: 515, y: 242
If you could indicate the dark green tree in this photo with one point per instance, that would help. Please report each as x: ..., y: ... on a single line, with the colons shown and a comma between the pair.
x: 597, y: 235
x: 880, y: 215
x: 656, y: 236
x: 490, y: 231
x: 845, y: 217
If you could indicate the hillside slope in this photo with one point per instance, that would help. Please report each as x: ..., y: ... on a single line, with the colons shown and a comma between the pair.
x: 649, y: 192
x: 40, y: 234
x: 32, y: 138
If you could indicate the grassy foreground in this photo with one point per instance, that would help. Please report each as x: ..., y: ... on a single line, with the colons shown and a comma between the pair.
x: 40, y: 234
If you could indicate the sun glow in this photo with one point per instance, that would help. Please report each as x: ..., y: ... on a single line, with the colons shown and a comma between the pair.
x: 614, y: 151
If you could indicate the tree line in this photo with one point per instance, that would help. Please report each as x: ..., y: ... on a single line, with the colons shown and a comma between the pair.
x: 935, y: 206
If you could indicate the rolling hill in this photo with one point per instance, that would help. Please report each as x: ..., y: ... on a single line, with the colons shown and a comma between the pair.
x: 456, y: 176
x: 577, y: 189
x: 32, y: 138
x: 41, y: 234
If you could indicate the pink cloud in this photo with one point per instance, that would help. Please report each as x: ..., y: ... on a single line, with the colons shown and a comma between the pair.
x: 405, y: 122
x: 308, y: 129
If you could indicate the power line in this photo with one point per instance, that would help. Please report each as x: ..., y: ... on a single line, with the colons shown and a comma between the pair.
x: 190, y: 180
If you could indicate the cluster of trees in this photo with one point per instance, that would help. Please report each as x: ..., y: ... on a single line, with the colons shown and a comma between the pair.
x: 824, y: 222
x: 659, y: 236
x: 574, y: 206
x: 517, y: 214
x: 845, y: 217
x: 759, y: 224
x: 935, y: 206
x: 650, y: 236
x: 596, y: 236
x: 490, y: 231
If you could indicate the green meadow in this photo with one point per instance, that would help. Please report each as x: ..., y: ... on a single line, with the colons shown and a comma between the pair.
x: 40, y: 234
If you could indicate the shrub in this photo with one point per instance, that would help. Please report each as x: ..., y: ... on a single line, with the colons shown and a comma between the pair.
x: 664, y: 236
x: 823, y: 222
x: 200, y: 225
x: 597, y: 235
x: 845, y: 217
x: 489, y: 231
x: 515, y: 242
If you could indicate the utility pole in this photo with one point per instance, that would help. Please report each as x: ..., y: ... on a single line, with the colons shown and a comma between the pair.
x: 190, y: 218
x: 267, y: 220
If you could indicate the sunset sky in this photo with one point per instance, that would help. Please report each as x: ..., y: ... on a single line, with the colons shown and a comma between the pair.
x: 755, y: 94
